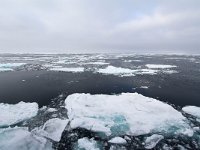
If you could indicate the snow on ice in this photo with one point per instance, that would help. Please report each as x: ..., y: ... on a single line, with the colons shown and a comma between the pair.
x: 127, y: 113
x: 52, y: 129
x: 15, y: 113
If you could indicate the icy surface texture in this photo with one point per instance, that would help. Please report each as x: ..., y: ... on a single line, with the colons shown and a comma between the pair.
x: 21, y: 139
x: 15, y: 113
x: 127, y: 113
x: 52, y: 129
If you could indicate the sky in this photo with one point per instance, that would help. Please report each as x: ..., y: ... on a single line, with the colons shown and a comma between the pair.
x: 100, y: 26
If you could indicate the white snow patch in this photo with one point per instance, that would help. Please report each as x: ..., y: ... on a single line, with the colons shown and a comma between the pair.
x: 14, y: 113
x: 192, y: 110
x: 152, y: 141
x: 52, y: 129
x: 21, y: 139
x: 87, y: 144
x: 117, y: 140
x: 127, y: 113
x: 64, y: 69
x: 158, y: 66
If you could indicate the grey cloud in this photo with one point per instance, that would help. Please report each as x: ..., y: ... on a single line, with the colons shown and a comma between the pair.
x: 68, y: 26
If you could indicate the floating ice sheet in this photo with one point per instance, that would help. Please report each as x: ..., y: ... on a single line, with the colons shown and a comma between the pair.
x: 127, y: 113
x: 192, y: 110
x: 15, y: 113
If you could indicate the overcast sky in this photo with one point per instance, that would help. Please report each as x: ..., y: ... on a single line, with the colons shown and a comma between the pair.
x: 78, y: 26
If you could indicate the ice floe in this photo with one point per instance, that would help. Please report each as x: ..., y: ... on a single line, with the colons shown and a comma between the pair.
x: 20, y: 138
x: 158, y: 66
x: 87, y: 144
x: 64, y: 69
x: 15, y: 113
x: 152, y: 141
x: 192, y: 110
x: 52, y: 129
x: 127, y: 113
x: 117, y: 140
x: 117, y: 71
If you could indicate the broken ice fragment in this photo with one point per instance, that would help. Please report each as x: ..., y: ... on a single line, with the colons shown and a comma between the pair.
x: 52, y: 129
x: 15, y: 113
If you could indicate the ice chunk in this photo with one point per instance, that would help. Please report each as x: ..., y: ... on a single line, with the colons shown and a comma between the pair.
x: 52, y: 129
x: 117, y: 71
x: 5, y: 69
x: 192, y: 110
x: 152, y: 141
x: 127, y: 113
x: 15, y: 113
x: 117, y: 140
x: 87, y: 144
x: 64, y: 69
x: 144, y: 87
x: 21, y: 139
x: 159, y: 66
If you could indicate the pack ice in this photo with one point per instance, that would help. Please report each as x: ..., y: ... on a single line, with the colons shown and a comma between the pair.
x: 15, y: 113
x: 127, y: 113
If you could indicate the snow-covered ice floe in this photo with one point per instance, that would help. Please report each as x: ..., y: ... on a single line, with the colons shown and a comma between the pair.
x: 19, y: 138
x: 159, y: 66
x: 52, y: 129
x: 64, y: 69
x: 9, y: 66
x: 15, y: 113
x: 117, y: 71
x: 117, y: 140
x: 87, y: 144
x: 192, y: 110
x: 127, y: 113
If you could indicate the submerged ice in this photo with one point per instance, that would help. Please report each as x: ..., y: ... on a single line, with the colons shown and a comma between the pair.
x: 127, y: 113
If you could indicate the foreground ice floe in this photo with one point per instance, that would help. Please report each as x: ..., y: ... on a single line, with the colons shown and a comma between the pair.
x: 9, y: 66
x: 15, y: 113
x: 192, y: 110
x: 127, y: 113
x: 151, y: 141
x: 21, y: 139
x: 64, y: 69
x: 52, y: 129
